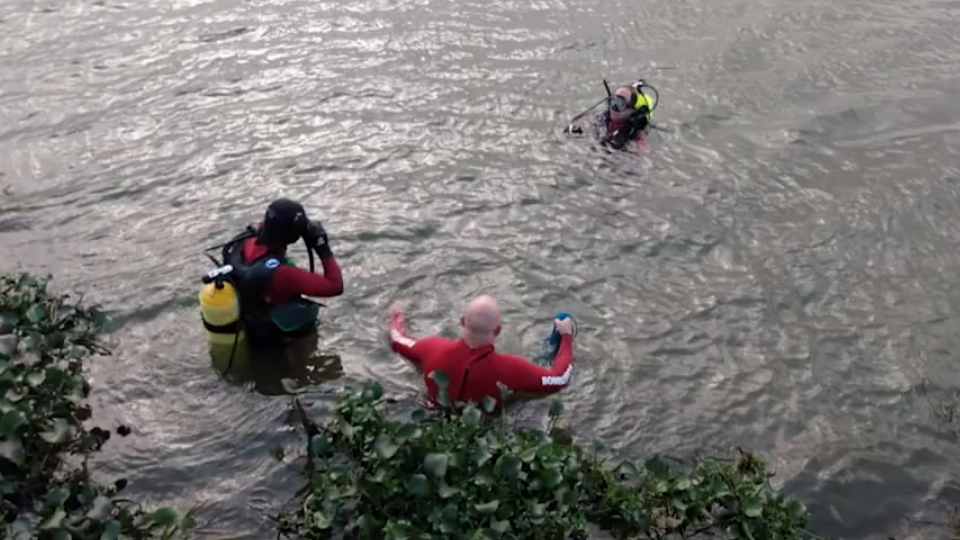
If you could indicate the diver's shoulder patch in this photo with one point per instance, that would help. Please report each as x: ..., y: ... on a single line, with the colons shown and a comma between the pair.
x: 273, y: 263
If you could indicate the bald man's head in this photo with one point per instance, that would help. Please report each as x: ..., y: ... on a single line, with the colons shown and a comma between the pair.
x: 480, y: 322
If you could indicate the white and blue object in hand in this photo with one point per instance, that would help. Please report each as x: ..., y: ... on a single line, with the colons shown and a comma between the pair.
x: 550, y: 344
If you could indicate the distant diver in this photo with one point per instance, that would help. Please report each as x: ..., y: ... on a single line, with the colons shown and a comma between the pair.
x: 625, y: 120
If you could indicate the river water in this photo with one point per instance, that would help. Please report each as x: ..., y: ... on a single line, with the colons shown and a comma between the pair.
x: 779, y: 273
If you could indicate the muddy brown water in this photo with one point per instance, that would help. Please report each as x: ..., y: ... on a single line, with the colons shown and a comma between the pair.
x: 780, y: 273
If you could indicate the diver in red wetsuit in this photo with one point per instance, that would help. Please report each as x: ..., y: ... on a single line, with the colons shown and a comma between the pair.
x: 269, y: 285
x: 284, y: 223
x: 471, y: 363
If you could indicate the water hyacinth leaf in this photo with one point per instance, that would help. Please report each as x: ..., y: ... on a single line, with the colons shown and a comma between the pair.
x: 443, y: 398
x: 99, y: 317
x: 22, y: 529
x: 445, y: 491
x: 472, y: 414
x: 483, y: 479
x: 372, y: 391
x: 508, y: 465
x: 55, y: 520
x: 55, y: 376
x: 489, y: 404
x: 528, y: 455
x: 418, y: 485
x: 657, y: 467
x: 796, y: 510
x: 31, y: 342
x: 449, y: 525
x: 385, y: 447
x: 111, y: 531
x: 487, y: 508
x: 551, y: 478
x: 752, y: 508
x: 319, y: 445
x: 378, y: 477
x: 409, y: 432
x: 367, y: 524
x: 8, y: 322
x: 397, y: 530
x: 60, y: 432
x: 78, y: 352
x: 440, y: 378
x: 61, y: 534
x: 11, y: 421
x: 556, y: 409
x: 56, y: 497
x: 500, y: 526
x: 12, y: 451
x: 567, y: 496
x: 8, y: 344
x: 319, y: 520
x: 36, y: 378
x: 75, y: 396
x: 55, y: 340
x: 683, y: 483
x: 442, y: 381
x: 100, y: 509
x: 627, y: 468
x: 36, y: 313
x: 165, y: 517
x: 7, y: 404
x: 435, y: 464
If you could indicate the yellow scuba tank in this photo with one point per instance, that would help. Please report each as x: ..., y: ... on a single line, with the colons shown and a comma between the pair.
x: 220, y: 308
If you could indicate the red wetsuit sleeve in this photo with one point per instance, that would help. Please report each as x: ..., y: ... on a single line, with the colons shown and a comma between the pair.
x: 290, y: 281
x: 412, y: 349
x: 522, y: 376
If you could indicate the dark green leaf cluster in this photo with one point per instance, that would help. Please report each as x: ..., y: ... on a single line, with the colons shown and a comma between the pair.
x: 47, y: 490
x: 460, y: 476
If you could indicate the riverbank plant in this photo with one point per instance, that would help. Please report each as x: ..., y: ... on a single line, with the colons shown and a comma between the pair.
x: 374, y: 476
x: 45, y: 443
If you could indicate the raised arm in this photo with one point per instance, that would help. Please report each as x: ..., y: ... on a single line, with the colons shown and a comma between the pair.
x: 400, y: 341
x: 525, y: 377
x: 294, y: 281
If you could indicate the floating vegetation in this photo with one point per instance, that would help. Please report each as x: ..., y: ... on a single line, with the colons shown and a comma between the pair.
x: 463, y: 476
x: 48, y: 491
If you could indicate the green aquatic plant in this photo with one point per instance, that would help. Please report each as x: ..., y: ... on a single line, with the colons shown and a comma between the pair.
x: 47, y: 488
x: 463, y: 476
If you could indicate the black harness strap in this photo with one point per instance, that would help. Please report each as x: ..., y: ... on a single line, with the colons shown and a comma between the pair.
x: 233, y: 328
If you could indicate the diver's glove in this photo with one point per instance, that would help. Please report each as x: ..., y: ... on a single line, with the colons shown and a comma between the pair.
x: 316, y: 237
